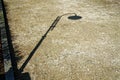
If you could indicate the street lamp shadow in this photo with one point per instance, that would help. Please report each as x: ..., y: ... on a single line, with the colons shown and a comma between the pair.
x: 53, y: 25
x: 74, y: 17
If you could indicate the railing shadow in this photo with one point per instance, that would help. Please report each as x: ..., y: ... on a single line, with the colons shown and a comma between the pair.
x: 2, y: 77
x: 14, y: 52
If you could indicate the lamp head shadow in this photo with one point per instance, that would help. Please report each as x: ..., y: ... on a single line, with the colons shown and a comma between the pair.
x: 75, y: 17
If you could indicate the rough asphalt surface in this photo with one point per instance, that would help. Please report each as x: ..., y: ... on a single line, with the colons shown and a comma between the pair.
x: 85, y: 49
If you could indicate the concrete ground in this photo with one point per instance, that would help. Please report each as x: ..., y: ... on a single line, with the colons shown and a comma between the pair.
x: 85, y: 49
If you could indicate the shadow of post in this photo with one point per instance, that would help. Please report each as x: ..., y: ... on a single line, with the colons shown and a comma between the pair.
x: 39, y: 43
x: 53, y: 25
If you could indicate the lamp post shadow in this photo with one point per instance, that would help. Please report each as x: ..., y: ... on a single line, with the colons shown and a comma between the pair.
x: 53, y: 25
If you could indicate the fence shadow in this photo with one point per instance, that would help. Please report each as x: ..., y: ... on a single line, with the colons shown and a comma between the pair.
x: 14, y: 52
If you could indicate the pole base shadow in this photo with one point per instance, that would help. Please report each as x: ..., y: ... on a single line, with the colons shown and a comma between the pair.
x: 23, y: 76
